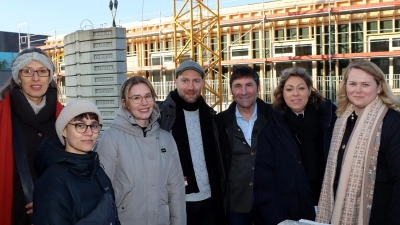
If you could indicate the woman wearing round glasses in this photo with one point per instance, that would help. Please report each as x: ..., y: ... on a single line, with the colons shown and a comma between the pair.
x: 28, y: 110
x: 142, y: 160
x: 72, y: 184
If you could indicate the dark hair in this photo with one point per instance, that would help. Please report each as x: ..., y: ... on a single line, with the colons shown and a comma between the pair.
x: 244, y: 71
x: 315, y: 97
x: 88, y: 115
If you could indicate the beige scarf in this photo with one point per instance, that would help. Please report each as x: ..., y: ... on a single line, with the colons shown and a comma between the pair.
x: 357, y: 177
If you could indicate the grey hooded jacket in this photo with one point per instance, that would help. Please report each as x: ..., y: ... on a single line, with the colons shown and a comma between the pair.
x: 145, y: 170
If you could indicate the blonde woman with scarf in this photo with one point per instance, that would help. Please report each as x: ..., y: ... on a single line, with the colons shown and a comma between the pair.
x: 362, y: 177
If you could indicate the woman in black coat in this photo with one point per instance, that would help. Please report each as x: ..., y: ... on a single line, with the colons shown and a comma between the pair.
x: 292, y: 150
x: 72, y: 183
x: 362, y: 178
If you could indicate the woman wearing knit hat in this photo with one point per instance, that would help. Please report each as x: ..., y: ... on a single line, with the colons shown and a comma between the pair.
x: 142, y: 161
x: 72, y: 185
x: 28, y: 110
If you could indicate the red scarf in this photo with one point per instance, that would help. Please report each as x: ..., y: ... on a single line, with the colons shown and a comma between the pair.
x: 7, y: 159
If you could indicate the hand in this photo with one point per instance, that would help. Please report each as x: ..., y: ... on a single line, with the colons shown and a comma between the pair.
x: 29, y: 208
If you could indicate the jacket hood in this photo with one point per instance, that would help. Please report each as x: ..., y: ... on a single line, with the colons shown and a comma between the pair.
x: 51, y: 152
x: 127, y: 123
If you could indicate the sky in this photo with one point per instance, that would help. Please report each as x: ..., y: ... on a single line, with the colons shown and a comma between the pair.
x: 50, y: 17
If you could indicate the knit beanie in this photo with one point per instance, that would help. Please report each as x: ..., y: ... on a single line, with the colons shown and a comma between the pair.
x: 190, y: 65
x: 70, y: 111
x: 25, y: 58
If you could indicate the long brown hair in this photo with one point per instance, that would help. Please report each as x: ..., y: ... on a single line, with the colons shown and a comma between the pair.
x: 315, y: 97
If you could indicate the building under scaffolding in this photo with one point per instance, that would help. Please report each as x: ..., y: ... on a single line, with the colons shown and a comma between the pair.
x: 320, y: 35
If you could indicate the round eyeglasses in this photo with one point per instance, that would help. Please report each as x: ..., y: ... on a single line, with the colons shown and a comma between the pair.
x: 82, y: 128
x: 137, y: 99
x: 40, y: 73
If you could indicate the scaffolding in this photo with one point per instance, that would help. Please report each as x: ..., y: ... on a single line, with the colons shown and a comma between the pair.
x: 195, y: 23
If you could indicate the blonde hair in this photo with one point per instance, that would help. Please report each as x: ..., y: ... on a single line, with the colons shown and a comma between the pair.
x: 129, y: 83
x: 386, y: 95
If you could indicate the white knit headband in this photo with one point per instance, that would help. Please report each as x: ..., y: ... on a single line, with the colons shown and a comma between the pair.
x: 27, y: 58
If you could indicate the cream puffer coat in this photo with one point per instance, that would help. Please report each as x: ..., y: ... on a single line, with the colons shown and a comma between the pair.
x: 145, y: 170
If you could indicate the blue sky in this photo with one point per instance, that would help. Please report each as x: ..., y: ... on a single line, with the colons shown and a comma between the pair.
x: 60, y: 17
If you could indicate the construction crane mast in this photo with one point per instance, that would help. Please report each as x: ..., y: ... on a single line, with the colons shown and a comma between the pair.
x: 197, y: 31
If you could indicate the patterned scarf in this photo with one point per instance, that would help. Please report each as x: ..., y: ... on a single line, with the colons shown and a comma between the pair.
x: 357, y: 178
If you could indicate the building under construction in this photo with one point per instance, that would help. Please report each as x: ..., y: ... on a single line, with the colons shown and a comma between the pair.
x: 322, y: 36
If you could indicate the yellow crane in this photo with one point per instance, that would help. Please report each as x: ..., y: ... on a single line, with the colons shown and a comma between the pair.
x: 197, y: 27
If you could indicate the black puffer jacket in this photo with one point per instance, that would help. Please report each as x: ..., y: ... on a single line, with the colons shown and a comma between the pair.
x: 68, y: 188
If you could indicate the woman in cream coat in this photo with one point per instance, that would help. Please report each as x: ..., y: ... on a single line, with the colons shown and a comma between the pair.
x: 142, y: 161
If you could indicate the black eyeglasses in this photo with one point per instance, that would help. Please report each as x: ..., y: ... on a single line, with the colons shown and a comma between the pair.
x: 82, y: 128
x: 40, y: 73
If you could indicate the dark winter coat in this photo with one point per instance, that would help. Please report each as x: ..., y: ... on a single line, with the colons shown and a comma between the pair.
x: 215, y: 170
x: 33, y: 128
x: 386, y: 199
x: 226, y: 121
x: 281, y: 186
x: 68, y: 188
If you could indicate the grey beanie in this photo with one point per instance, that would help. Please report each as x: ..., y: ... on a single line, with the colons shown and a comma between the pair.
x: 73, y: 109
x: 189, y: 65
x: 22, y: 60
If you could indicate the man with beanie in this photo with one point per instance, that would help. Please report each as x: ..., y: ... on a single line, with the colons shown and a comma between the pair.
x: 238, y: 129
x: 190, y: 120
x: 72, y: 185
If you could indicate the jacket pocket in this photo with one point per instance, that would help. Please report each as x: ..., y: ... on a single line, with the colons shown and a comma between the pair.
x: 163, y: 215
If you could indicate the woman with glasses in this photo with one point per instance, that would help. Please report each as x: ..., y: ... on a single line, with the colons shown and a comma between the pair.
x: 293, y: 149
x: 142, y: 160
x: 72, y: 184
x: 28, y: 109
x: 362, y: 177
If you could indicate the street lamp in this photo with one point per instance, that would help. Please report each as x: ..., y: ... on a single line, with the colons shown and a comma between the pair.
x: 113, y: 11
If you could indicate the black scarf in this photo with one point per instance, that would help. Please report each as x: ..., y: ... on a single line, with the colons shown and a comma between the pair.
x: 179, y: 132
x: 307, y: 131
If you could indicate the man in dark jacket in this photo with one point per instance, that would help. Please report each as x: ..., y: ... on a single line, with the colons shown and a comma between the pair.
x: 238, y: 129
x: 190, y: 120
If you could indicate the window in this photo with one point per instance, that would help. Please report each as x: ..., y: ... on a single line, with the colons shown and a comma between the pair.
x: 246, y: 38
x: 240, y: 52
x: 291, y: 34
x: 256, y: 45
x: 372, y: 27
x: 267, y: 43
x: 283, y: 49
x: 379, y: 45
x: 386, y: 26
x: 304, y: 33
x: 383, y: 63
x: 279, y: 35
x: 330, y: 40
x: 396, y: 42
x: 343, y: 36
x: 357, y: 38
x: 235, y: 39
x: 155, y: 60
x: 319, y: 37
x: 303, y: 50
x: 397, y: 25
x: 224, y: 47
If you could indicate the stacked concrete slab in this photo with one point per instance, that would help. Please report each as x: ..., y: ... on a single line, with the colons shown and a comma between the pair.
x: 95, y: 68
